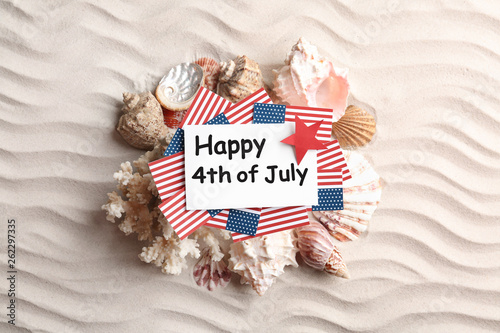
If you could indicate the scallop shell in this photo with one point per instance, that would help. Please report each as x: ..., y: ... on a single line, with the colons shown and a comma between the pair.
x: 361, y: 197
x: 211, y: 274
x: 318, y: 251
x: 261, y: 260
x: 355, y: 129
x: 178, y: 88
x: 308, y: 79
x: 239, y: 78
x: 141, y: 124
x: 211, y: 70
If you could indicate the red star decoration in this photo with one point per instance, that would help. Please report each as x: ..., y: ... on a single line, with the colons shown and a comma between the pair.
x: 304, y: 138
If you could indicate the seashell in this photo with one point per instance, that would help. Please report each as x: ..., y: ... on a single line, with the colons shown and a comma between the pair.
x: 361, y: 197
x: 177, y: 89
x: 211, y: 70
x: 261, y: 260
x: 141, y: 124
x: 209, y: 273
x: 355, y: 129
x: 173, y: 118
x: 318, y: 251
x: 239, y: 78
x: 308, y: 79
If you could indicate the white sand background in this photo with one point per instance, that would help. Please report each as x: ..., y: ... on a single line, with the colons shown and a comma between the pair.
x: 429, y: 71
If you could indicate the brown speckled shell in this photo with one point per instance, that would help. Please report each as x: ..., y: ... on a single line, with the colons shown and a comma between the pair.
x: 239, y: 79
x: 355, y: 129
x: 141, y: 124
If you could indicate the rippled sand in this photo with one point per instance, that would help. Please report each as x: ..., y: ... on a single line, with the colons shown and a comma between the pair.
x: 430, y: 72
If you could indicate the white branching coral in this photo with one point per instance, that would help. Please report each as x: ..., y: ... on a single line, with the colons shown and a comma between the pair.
x: 135, y: 207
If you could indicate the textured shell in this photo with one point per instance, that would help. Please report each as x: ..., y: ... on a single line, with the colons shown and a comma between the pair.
x: 361, y: 197
x: 318, y: 251
x: 211, y: 70
x: 178, y: 88
x: 355, y: 129
x: 239, y: 78
x: 308, y: 79
x: 259, y: 261
x: 211, y: 274
x: 141, y: 124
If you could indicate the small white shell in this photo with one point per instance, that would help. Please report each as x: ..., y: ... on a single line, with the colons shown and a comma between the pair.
x: 261, y: 260
x: 178, y: 88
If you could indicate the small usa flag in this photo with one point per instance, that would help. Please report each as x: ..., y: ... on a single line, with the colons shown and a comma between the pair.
x: 244, y: 220
x: 206, y: 105
x: 183, y: 221
x: 277, y: 219
x: 242, y: 112
x: 176, y: 144
x: 168, y: 174
x: 330, y: 192
x: 219, y: 220
x: 276, y: 113
x: 332, y: 157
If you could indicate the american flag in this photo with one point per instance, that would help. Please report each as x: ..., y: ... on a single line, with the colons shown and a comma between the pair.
x: 168, y: 174
x: 333, y: 157
x: 275, y: 113
x: 277, y: 219
x: 243, y: 220
x: 330, y: 178
x: 219, y: 221
x: 206, y: 105
x: 183, y: 221
x: 330, y: 192
x: 242, y: 112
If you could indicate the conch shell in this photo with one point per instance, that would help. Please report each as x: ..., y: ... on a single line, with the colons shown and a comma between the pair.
x: 355, y: 129
x: 177, y: 89
x: 261, y: 260
x: 141, y: 124
x: 209, y: 273
x: 308, y: 79
x: 361, y: 196
x: 239, y: 78
x: 211, y: 70
x: 318, y: 251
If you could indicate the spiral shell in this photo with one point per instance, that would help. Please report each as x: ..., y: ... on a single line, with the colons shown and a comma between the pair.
x: 211, y: 70
x: 178, y: 88
x: 318, y: 251
x: 141, y: 124
x: 261, y: 260
x: 355, y: 129
x: 362, y: 194
x: 239, y: 79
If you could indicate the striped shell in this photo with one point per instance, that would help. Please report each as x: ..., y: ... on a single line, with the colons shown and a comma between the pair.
x: 318, y: 251
x: 177, y: 89
x: 361, y: 197
x: 259, y: 261
x: 211, y: 70
x: 209, y: 273
x: 355, y: 129
x: 239, y: 78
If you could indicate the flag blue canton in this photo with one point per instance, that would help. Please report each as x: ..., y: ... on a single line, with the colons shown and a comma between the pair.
x: 268, y: 113
x: 220, y: 119
x: 242, y: 222
x: 214, y: 212
x: 330, y: 199
x: 177, y: 143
